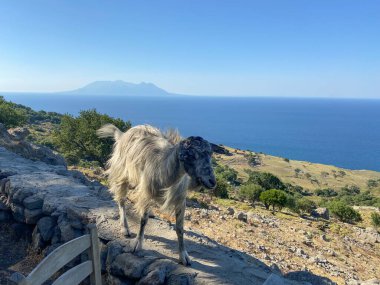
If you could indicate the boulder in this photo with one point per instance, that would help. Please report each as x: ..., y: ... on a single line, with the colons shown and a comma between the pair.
x: 241, y: 216
x: 181, y: 278
x: 21, y: 194
x: 18, y: 213
x: 129, y: 265
x: 33, y: 202
x: 46, y: 226
x: 37, y: 241
x: 32, y: 216
x: 230, y: 211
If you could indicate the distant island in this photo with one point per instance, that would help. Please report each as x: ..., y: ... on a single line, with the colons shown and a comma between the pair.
x: 119, y: 87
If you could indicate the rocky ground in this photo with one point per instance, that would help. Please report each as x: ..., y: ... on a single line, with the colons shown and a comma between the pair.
x: 338, y: 251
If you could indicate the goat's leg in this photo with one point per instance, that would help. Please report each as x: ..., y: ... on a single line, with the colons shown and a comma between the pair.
x: 123, y: 219
x: 183, y: 255
x: 138, y: 243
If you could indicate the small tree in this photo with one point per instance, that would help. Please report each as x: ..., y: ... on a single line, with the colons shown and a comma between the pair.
x: 77, y: 139
x: 350, y: 190
x: 344, y: 212
x: 375, y: 218
x: 274, y: 198
x: 327, y: 192
x: 305, y: 206
x: 373, y: 183
x: 11, y: 116
x: 222, y: 187
x: 227, y: 173
x: 265, y: 179
x: 250, y: 192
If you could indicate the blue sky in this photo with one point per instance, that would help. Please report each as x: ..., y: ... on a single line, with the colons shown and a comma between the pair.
x: 203, y: 47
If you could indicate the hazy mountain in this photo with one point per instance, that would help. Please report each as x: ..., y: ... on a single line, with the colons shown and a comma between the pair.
x: 119, y: 87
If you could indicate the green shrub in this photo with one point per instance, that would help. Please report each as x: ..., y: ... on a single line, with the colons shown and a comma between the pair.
x: 304, y: 206
x: 76, y: 137
x: 265, y: 179
x: 222, y: 187
x: 327, y: 192
x: 373, y: 183
x: 227, y: 173
x: 350, y: 190
x: 250, y: 192
x: 10, y: 116
x: 375, y: 219
x: 344, y: 212
x: 274, y: 198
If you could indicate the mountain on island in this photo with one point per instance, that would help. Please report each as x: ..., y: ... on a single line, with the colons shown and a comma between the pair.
x: 119, y: 87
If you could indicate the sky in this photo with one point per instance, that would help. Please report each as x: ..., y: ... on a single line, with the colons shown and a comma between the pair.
x: 297, y: 48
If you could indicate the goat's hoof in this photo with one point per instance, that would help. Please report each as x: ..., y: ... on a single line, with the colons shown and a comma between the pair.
x: 136, y: 245
x: 125, y: 232
x: 184, y: 258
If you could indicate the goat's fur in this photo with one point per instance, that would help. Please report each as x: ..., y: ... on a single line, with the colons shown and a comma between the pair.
x: 158, y: 167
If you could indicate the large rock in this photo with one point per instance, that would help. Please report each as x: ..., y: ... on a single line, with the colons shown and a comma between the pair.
x: 157, y: 272
x: 18, y: 213
x: 37, y: 241
x: 241, y: 216
x: 32, y: 216
x: 130, y: 266
x: 46, y: 226
x: 321, y: 213
x: 33, y: 202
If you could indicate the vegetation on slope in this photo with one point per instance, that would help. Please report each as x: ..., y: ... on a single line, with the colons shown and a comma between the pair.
x: 243, y: 176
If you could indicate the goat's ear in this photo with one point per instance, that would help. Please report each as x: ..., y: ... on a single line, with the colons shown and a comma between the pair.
x: 183, y: 149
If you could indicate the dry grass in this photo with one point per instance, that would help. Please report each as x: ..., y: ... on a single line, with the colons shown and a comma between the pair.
x: 311, y: 175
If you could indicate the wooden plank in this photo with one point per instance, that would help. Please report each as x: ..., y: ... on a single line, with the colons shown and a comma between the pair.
x: 56, y: 260
x: 75, y: 275
x: 95, y: 278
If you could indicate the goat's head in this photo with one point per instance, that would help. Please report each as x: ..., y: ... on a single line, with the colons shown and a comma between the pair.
x: 195, y: 154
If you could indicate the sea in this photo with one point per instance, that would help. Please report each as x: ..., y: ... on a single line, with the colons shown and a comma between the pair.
x: 340, y: 132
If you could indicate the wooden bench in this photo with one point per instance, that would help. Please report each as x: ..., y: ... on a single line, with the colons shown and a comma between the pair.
x: 61, y: 256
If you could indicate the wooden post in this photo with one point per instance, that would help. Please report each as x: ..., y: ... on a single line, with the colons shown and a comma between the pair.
x: 95, y: 277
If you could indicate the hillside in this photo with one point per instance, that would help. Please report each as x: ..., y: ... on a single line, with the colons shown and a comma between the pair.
x: 298, y: 246
x: 308, y: 175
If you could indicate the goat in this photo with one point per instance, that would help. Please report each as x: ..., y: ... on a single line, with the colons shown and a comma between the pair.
x: 159, y: 167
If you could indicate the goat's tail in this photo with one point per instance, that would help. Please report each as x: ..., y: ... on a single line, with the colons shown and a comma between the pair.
x: 109, y: 131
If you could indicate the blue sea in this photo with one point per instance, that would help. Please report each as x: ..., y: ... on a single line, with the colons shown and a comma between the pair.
x: 341, y: 132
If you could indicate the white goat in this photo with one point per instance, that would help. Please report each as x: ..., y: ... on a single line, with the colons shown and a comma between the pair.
x: 159, y: 167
